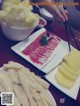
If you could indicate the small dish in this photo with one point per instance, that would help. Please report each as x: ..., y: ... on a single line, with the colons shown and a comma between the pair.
x: 42, y: 22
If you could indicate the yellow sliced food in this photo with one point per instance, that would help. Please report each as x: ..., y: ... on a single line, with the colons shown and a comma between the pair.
x: 72, y: 66
x: 75, y: 57
x: 74, y: 52
x: 63, y: 81
x: 70, y: 70
x: 71, y: 62
x: 66, y: 74
x: 74, y: 61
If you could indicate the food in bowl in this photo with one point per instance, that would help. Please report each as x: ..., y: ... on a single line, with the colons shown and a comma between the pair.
x: 16, y: 33
x: 17, y: 19
x: 18, y: 14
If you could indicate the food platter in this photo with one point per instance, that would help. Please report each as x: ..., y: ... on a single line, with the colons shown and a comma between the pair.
x: 46, y: 92
x: 50, y: 66
x: 57, y: 54
x: 66, y: 77
x: 73, y: 93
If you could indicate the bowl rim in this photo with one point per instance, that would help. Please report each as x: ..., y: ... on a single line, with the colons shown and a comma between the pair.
x: 43, y: 20
x: 15, y: 27
x: 40, y: 25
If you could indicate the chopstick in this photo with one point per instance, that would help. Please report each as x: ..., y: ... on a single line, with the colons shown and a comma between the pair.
x: 68, y: 26
x: 67, y: 34
x: 72, y: 34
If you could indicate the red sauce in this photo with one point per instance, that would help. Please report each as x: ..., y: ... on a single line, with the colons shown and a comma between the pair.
x: 41, y: 22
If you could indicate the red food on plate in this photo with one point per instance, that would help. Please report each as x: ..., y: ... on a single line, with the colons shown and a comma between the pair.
x: 40, y: 54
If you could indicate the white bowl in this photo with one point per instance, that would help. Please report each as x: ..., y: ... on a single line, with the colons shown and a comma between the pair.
x: 15, y: 33
x: 40, y: 25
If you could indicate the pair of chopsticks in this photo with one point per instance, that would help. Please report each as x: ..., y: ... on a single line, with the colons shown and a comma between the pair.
x: 68, y: 27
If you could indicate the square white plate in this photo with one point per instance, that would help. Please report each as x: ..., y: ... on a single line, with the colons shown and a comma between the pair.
x: 73, y: 92
x: 60, y: 51
x: 58, y: 54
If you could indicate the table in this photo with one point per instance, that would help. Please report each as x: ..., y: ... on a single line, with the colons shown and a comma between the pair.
x: 6, y: 54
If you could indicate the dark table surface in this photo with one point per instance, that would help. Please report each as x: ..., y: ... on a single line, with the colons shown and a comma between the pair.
x: 6, y: 54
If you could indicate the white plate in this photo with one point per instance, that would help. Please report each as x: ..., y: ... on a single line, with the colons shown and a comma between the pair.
x: 56, y: 58
x: 60, y: 51
x: 73, y: 92
x: 48, y: 94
